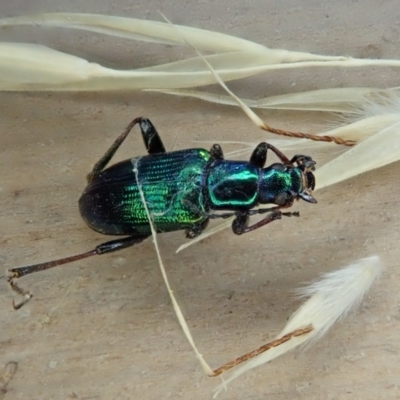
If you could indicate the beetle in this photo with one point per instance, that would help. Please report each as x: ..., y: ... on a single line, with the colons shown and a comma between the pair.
x: 183, y: 190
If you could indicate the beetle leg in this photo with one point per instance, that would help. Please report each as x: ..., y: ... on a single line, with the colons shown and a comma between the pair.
x: 205, y: 214
x: 119, y: 244
x: 307, y: 161
x: 287, y: 203
x: 216, y: 152
x: 240, y: 223
x: 101, y: 164
x: 196, y: 229
x: 223, y: 216
x: 103, y: 248
x: 150, y: 137
x: 259, y: 155
x: 262, y: 210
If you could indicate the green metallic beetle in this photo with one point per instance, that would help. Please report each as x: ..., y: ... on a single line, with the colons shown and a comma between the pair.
x: 182, y: 189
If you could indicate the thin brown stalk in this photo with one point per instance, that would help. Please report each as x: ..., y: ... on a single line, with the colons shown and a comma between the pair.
x: 317, y: 138
x: 262, y: 349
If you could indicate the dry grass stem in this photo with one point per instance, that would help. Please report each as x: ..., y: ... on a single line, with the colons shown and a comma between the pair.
x: 31, y: 67
x: 177, y: 309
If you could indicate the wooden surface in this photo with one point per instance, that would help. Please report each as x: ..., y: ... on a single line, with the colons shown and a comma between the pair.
x: 104, y: 328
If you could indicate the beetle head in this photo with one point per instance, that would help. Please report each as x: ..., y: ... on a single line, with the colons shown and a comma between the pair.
x: 307, y: 164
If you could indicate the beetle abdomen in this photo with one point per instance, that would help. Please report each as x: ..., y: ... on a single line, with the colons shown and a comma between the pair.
x: 172, y: 185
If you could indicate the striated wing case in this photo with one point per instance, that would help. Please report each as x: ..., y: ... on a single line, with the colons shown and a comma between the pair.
x: 111, y: 203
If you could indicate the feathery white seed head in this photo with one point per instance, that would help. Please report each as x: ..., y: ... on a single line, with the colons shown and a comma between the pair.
x: 333, y: 296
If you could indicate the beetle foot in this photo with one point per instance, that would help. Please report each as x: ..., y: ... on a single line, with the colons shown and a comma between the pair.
x: 192, y: 233
x: 14, y: 287
x: 291, y: 214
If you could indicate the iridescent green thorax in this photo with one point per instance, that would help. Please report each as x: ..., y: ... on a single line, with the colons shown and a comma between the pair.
x: 232, y: 185
x: 276, y: 180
